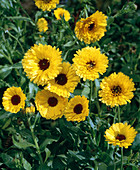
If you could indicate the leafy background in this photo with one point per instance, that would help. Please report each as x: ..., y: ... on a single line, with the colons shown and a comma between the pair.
x: 62, y: 144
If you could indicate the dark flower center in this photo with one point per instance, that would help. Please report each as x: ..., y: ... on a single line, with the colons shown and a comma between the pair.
x: 116, y: 90
x: 91, y: 26
x: 91, y: 64
x: 15, y: 99
x: 61, y: 79
x: 78, y: 109
x: 52, y: 101
x: 44, y: 64
x: 120, y: 137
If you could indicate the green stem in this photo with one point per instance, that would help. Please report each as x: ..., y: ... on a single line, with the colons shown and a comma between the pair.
x: 114, y: 159
x: 119, y: 117
x: 114, y: 121
x: 121, y: 158
x: 35, y: 141
x: 16, y: 40
x: 90, y: 97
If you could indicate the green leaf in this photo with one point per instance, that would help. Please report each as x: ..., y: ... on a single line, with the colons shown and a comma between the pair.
x: 47, y: 142
x: 48, y: 153
x: 21, y: 143
x: 21, y: 18
x: 8, y: 160
x: 102, y: 166
x: 5, y: 71
x: 7, y: 123
x: 75, y: 155
x: 69, y: 44
x: 26, y: 164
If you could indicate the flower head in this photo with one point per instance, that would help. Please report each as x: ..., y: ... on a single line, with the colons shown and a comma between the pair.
x: 65, y: 82
x: 50, y: 105
x: 92, y: 28
x: 46, y: 5
x: 77, y: 109
x: 42, y: 25
x: 42, y: 63
x: 60, y: 12
x: 13, y: 99
x: 89, y: 62
x: 117, y: 89
x: 120, y: 134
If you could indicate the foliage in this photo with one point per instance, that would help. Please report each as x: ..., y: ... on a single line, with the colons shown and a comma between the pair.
x: 31, y: 141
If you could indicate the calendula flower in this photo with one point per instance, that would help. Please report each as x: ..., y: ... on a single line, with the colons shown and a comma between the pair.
x: 30, y: 109
x: 13, y: 99
x: 42, y: 63
x: 120, y: 134
x: 42, y: 25
x: 92, y: 28
x: 46, y: 5
x: 117, y: 89
x: 77, y: 109
x: 60, y: 12
x: 65, y: 82
x: 89, y: 63
x: 50, y: 105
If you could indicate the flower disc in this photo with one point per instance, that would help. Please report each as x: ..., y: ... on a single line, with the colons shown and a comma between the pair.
x: 13, y: 99
x: 120, y: 134
x: 42, y: 63
x: 117, y: 89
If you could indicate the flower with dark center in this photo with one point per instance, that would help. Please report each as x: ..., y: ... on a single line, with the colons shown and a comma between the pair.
x: 120, y: 134
x: 120, y: 137
x: 52, y: 101
x: 78, y: 109
x: 15, y: 99
x: 44, y: 64
x: 65, y: 82
x: 116, y: 90
x: 50, y: 105
x: 61, y: 79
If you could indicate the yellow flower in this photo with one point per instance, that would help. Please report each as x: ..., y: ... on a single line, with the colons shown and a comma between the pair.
x: 117, y: 89
x: 42, y: 25
x: 46, y: 5
x: 60, y: 12
x: 77, y: 109
x: 92, y: 28
x: 41, y: 63
x: 89, y: 62
x: 120, y: 134
x: 13, y: 99
x: 30, y: 109
x: 65, y: 82
x: 50, y: 105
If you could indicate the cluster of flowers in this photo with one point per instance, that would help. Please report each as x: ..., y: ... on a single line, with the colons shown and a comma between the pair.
x: 44, y: 66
